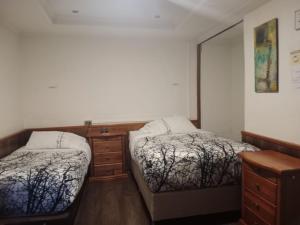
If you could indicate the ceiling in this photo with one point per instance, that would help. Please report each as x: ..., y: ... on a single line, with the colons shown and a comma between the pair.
x: 230, y: 37
x: 187, y: 19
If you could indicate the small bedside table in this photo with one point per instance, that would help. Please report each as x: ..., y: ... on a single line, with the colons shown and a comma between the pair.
x: 108, y: 155
x: 271, y: 189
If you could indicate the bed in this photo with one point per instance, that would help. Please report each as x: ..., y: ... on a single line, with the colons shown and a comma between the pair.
x: 182, y: 171
x: 44, y: 178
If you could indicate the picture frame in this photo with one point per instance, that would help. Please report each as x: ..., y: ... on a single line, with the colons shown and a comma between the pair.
x: 266, y: 57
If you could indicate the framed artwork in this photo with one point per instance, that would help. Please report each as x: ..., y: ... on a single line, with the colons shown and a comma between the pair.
x: 266, y: 57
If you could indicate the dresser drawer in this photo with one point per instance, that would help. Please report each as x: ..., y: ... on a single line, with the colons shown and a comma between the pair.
x: 251, y: 219
x: 271, y: 185
x: 108, y: 158
x: 262, y: 173
x: 260, y: 186
x: 109, y: 145
x: 108, y: 170
x: 264, y: 210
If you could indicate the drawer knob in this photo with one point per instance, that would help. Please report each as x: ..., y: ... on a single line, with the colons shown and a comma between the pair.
x: 257, y: 207
x: 257, y: 187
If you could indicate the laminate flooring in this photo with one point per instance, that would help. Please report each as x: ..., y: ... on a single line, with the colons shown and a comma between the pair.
x: 120, y: 203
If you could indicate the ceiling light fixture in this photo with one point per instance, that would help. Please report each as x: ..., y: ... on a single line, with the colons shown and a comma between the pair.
x: 75, y: 11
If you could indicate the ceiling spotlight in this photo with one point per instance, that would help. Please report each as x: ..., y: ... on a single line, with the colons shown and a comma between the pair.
x: 75, y: 11
x: 157, y: 16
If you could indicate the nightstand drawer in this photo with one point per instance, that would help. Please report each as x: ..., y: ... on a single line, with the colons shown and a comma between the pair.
x: 108, y: 158
x: 270, y: 188
x: 262, y: 173
x: 251, y: 219
x: 265, y: 211
x: 108, y: 170
x: 110, y: 145
x: 260, y: 186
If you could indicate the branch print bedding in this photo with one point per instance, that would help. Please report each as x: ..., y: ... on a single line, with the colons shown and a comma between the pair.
x: 196, y: 160
x: 36, y: 182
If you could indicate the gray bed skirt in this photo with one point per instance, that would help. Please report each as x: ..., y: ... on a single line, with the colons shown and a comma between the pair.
x: 179, y: 204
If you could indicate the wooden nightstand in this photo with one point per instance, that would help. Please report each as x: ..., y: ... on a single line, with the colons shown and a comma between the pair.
x: 108, y: 155
x: 271, y: 189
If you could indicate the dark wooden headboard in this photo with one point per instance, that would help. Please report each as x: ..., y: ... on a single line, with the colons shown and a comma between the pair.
x: 11, y: 143
x: 15, y: 141
x: 267, y: 143
x: 125, y: 127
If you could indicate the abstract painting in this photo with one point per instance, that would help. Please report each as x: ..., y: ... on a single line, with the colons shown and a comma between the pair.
x: 266, y: 57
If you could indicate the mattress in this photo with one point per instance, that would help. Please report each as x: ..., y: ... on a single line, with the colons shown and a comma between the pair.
x: 41, y: 182
x: 195, y: 160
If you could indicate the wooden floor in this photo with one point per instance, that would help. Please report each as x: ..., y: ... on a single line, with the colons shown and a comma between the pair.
x: 119, y: 203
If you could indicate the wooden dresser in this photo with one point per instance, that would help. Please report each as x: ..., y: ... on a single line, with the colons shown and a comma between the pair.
x: 271, y: 189
x: 108, y: 155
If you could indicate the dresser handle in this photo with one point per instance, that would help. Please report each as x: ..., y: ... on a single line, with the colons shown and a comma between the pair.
x: 257, y: 187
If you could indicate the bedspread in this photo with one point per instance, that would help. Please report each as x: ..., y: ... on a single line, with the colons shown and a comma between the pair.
x: 41, y: 182
x: 195, y: 160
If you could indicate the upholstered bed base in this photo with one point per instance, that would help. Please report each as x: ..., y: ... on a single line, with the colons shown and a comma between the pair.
x: 178, y: 204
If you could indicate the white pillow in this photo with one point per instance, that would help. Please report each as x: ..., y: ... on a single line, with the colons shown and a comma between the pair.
x: 155, y: 127
x: 70, y: 140
x: 44, y: 140
x: 179, y: 124
x: 54, y: 140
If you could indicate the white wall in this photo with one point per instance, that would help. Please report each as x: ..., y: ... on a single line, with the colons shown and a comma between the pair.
x: 102, y: 79
x: 275, y: 115
x: 237, y: 88
x: 222, y: 89
x: 216, y: 89
x: 193, y: 80
x: 10, y: 113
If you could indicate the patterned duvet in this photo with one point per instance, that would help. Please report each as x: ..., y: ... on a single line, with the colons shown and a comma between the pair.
x: 188, y: 161
x: 40, y: 182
